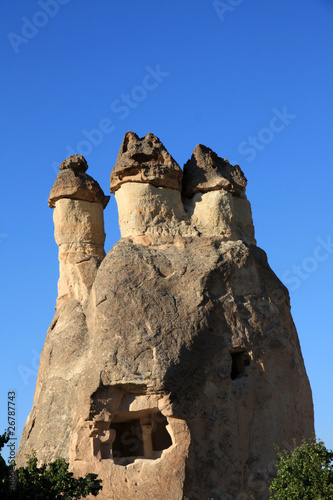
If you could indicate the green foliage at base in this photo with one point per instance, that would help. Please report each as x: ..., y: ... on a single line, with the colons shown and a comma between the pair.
x: 304, y: 474
x: 4, y: 468
x: 51, y: 481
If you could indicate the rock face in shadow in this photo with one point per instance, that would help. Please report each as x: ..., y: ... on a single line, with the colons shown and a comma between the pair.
x: 180, y: 368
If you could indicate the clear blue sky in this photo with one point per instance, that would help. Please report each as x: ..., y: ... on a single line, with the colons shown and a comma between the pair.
x: 252, y: 79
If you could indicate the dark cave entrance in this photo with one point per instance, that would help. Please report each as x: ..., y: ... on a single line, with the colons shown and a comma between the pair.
x: 240, y: 360
x: 145, y: 436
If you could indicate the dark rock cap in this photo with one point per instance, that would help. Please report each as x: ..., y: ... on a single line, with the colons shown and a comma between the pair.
x: 72, y: 182
x: 145, y: 160
x: 206, y: 171
x: 77, y: 163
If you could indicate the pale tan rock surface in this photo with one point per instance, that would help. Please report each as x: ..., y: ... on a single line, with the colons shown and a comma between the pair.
x: 182, y: 369
x: 79, y: 234
x: 78, y: 203
x: 220, y: 213
x: 152, y: 211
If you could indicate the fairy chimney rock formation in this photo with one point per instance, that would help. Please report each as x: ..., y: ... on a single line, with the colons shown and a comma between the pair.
x: 172, y: 366
x: 147, y: 183
x: 78, y: 203
x: 214, y: 196
x: 153, y: 199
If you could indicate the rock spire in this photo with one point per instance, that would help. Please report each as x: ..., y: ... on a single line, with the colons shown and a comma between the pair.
x: 172, y: 366
x: 78, y: 203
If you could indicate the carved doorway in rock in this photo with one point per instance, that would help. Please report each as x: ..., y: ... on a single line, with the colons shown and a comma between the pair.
x: 139, y: 435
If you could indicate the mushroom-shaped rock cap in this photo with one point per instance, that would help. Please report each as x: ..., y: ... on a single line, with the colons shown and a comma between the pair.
x: 206, y: 171
x: 145, y: 160
x: 72, y: 182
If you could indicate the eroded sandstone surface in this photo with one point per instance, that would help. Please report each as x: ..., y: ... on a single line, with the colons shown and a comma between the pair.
x: 172, y: 366
x: 145, y: 160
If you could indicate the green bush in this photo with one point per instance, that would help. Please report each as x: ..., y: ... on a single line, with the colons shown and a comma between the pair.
x: 4, y: 468
x: 51, y: 481
x: 304, y: 474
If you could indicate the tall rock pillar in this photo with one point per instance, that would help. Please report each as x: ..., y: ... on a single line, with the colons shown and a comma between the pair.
x: 173, y: 368
x: 147, y: 184
x: 78, y: 203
